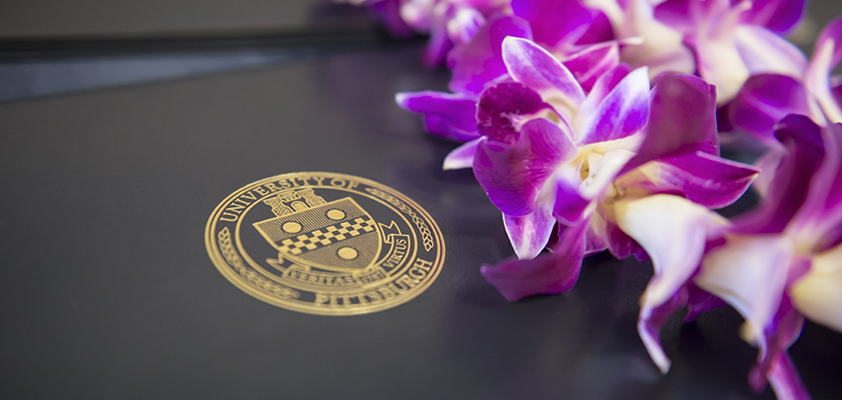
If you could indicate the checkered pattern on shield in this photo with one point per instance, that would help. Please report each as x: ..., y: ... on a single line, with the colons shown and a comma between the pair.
x: 338, y: 236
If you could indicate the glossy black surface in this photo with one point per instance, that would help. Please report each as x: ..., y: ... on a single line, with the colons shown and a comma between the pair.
x: 107, y: 290
x: 154, y: 18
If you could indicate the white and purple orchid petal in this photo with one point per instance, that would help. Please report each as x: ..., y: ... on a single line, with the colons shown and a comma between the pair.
x: 673, y: 231
x: 554, y: 22
x: 749, y: 273
x: 785, y: 381
x: 602, y: 169
x: 802, y: 141
x: 623, y: 112
x: 776, y: 15
x: 491, y: 169
x: 765, y: 52
x: 438, y: 45
x: 774, y: 364
x: 539, y: 70
x: 594, y: 242
x: 451, y: 116
x: 592, y: 63
x: 569, y: 206
x: 599, y: 31
x: 464, y: 26
x: 831, y: 36
x: 704, y: 179
x: 721, y: 65
x: 462, y: 156
x: 699, y: 300
x: 513, y: 175
x: 764, y: 100
x: 767, y: 164
x: 417, y: 14
x: 818, y: 293
x: 676, y: 14
x: 548, y: 274
x: 821, y: 213
x: 601, y: 88
x: 713, y: 36
x: 480, y: 61
x: 662, y: 48
x: 530, y: 233
x: 826, y: 57
x: 682, y: 120
x: 620, y: 245
x: 504, y: 107
x: 649, y: 324
x: 612, y: 9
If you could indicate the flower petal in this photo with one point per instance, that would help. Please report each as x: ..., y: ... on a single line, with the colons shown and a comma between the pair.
x: 700, y: 301
x: 818, y: 293
x: 512, y: 175
x: 673, y: 231
x: 788, y: 190
x: 503, y: 107
x: 764, y: 100
x: 623, y: 112
x: 785, y: 381
x: 649, y: 324
x: 465, y: 25
x: 604, y: 221
x: 592, y: 62
x: 604, y: 85
x: 536, y: 68
x: 821, y: 214
x: 826, y: 56
x: 662, y: 48
x: 530, y: 233
x: 602, y: 171
x: 774, y: 364
x: 548, y: 274
x: 682, y: 120
x: 462, y: 156
x: 480, y: 61
x: 438, y: 45
x: 569, y: 204
x: 554, y: 21
x: 765, y: 52
x: 776, y: 15
x: 451, y: 116
x: 750, y: 274
x: 599, y: 31
x: 704, y: 179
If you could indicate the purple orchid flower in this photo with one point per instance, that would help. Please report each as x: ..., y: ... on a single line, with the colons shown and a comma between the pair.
x: 774, y: 265
x: 564, y: 25
x: 476, y: 62
x: 453, y: 115
x: 549, y: 154
x: 734, y: 40
x: 767, y: 98
x: 650, y: 42
x: 448, y: 22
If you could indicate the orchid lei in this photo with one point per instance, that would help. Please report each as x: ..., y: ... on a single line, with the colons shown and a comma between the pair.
x: 594, y: 125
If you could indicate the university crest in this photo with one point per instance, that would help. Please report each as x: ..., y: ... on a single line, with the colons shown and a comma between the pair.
x: 325, y: 243
x: 338, y: 236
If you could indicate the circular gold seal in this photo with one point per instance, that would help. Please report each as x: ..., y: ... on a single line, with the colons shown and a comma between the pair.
x: 325, y: 243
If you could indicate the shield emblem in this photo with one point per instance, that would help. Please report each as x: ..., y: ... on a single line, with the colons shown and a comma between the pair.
x: 338, y: 236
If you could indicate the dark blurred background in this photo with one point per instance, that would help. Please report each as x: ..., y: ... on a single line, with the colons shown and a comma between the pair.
x: 51, y: 47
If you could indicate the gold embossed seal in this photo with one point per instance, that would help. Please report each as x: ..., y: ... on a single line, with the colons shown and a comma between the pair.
x: 325, y: 243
